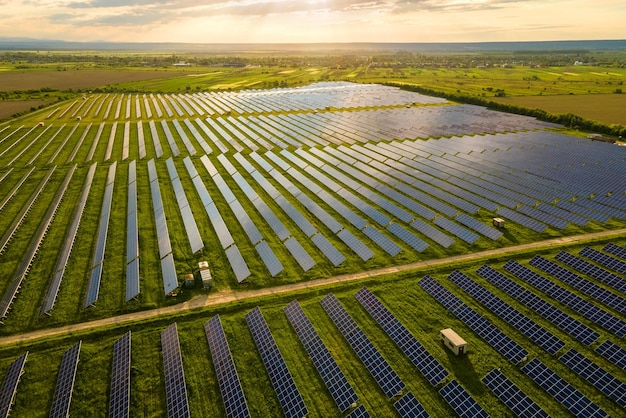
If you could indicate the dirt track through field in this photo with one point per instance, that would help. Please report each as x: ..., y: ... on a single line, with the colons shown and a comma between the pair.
x: 227, y: 296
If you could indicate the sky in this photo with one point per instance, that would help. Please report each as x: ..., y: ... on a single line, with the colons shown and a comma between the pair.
x: 295, y: 21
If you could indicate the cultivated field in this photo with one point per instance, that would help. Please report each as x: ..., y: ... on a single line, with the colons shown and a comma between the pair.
x: 303, y: 183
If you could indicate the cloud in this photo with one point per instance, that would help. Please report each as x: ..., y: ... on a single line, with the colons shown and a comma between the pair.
x: 405, y: 6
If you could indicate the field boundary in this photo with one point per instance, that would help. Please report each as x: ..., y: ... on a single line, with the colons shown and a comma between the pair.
x: 225, y: 297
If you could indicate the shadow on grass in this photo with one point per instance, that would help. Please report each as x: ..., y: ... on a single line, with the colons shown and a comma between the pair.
x: 463, y: 370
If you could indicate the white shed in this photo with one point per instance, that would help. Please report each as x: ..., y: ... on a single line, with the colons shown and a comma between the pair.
x: 453, y: 341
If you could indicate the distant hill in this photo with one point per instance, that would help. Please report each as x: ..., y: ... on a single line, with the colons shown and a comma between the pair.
x: 538, y: 46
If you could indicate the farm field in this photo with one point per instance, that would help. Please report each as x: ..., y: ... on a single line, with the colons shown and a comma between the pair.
x: 606, y: 108
x: 120, y: 195
x: 10, y: 108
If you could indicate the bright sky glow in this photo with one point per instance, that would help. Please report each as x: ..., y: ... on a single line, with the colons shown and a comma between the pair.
x: 293, y: 21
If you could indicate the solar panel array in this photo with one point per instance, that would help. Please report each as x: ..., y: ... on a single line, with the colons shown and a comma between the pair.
x: 132, y: 236
x: 374, y: 362
x: 119, y: 400
x: 613, y: 353
x: 359, y: 412
x: 578, y: 304
x: 409, y: 407
x: 65, y: 383
x: 93, y: 289
x: 615, y: 250
x: 512, y: 396
x: 501, y: 342
x: 175, y: 388
x: 9, y: 384
x: 592, y: 270
x: 604, y: 260
x: 333, y: 377
x: 589, y: 288
x: 227, y: 378
x: 168, y: 269
x: 288, y: 395
x: 572, y: 326
x: 604, y: 381
x: 66, y: 247
x: 566, y: 394
x: 430, y: 368
x: 512, y: 316
x: 461, y: 402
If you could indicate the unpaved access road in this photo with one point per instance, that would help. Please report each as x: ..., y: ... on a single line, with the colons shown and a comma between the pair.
x: 227, y: 296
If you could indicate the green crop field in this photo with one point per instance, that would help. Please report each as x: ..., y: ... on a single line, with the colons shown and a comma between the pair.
x: 397, y: 156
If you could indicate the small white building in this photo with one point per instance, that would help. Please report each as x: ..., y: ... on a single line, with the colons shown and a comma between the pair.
x: 205, y: 274
x: 453, y: 341
x: 498, y: 222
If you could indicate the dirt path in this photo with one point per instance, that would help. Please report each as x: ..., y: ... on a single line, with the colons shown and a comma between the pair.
x: 228, y: 296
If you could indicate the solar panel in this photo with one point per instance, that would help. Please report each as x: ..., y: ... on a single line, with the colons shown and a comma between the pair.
x: 227, y: 378
x: 615, y: 250
x: 302, y: 222
x: 381, y: 371
x: 577, y: 403
x: 175, y: 389
x: 168, y: 270
x: 409, y: 407
x: 479, y: 227
x: 413, y: 241
x: 323, y: 216
x: 578, y: 304
x: 462, y: 402
x: 9, y: 385
x: 512, y: 396
x: 430, y: 368
x: 522, y: 219
x: 119, y: 400
x: 328, y: 249
x: 362, y: 250
x: 592, y: 270
x: 562, y: 320
x: 299, y: 253
x: 382, y: 240
x: 65, y: 383
x: 288, y: 395
x: 457, y: 230
x: 602, y: 380
x: 269, y: 258
x: 223, y: 234
x: 237, y: 263
x: 433, y: 233
x: 333, y: 377
x: 132, y: 279
x: 599, y: 293
x: 513, y: 317
x: 604, y: 260
x: 613, y: 353
x: 359, y: 412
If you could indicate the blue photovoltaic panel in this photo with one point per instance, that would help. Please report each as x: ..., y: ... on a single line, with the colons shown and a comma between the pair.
x: 299, y: 253
x: 613, y: 353
x: 433, y: 233
x: 604, y: 260
x: 296, y: 216
x: 382, y: 240
x: 522, y: 219
x: 65, y: 383
x: 9, y: 385
x: 562, y: 320
x: 577, y: 403
x: 381, y: 371
x: 119, y: 401
x: 409, y: 407
x: 288, y: 395
x: 336, y: 382
x: 432, y: 370
x: 592, y: 270
x: 227, y: 378
x: 463, y: 404
x: 458, y: 230
x: 362, y: 250
x: 413, y: 241
x: 360, y: 412
x: 580, y: 305
x: 479, y: 227
x: 237, y: 263
x: 512, y: 396
x: 246, y: 222
x: 443, y: 295
x: 168, y: 270
x: 269, y: 258
x: 329, y: 250
x: 540, y: 336
x: 604, y: 381
x: 615, y: 250
x: 223, y: 234
x: 175, y: 389
x: 132, y: 279
x: 599, y: 293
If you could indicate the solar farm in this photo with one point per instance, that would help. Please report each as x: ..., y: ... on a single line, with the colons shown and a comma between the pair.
x: 108, y: 201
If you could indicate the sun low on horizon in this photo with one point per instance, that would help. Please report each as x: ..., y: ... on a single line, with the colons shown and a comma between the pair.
x: 311, y: 21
